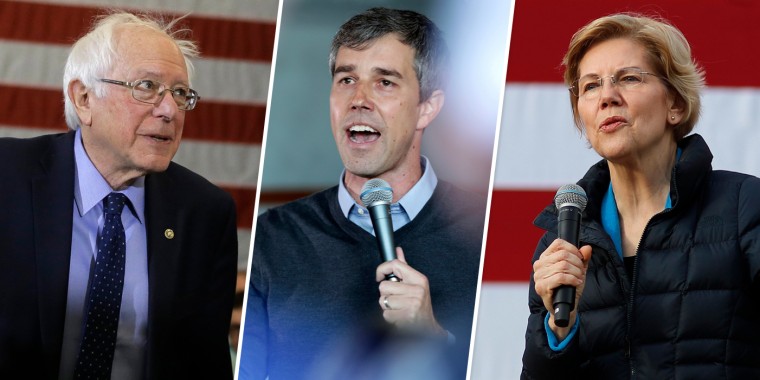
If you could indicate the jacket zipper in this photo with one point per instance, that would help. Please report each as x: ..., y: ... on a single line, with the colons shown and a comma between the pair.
x: 635, y: 276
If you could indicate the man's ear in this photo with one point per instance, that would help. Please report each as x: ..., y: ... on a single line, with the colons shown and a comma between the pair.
x: 430, y: 108
x: 80, y: 95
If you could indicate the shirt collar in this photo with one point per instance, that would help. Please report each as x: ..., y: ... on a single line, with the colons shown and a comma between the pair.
x: 90, y: 187
x: 412, y: 202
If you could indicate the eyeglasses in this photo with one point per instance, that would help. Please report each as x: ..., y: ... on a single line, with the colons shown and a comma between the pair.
x: 152, y: 92
x: 590, y: 86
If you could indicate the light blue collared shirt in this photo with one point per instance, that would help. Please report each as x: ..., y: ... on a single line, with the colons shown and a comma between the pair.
x: 402, y: 212
x: 89, y: 190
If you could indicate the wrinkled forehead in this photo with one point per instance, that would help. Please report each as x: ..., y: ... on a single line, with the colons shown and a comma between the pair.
x: 607, y: 57
x: 387, y: 49
x: 147, y: 53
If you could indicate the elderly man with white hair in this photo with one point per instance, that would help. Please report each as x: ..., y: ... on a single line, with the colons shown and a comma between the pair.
x: 116, y: 263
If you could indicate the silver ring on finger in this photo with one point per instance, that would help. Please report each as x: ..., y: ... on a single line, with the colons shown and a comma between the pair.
x: 385, y: 302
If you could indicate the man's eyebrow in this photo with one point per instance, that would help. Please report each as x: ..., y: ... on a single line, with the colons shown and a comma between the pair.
x: 377, y: 70
x: 388, y: 72
x: 344, y: 69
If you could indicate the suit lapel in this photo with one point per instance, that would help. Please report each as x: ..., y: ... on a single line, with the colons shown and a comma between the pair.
x: 53, y: 198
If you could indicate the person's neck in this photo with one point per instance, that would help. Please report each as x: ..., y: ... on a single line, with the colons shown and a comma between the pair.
x: 642, y: 185
x: 122, y: 180
x: 401, y: 180
x: 117, y: 178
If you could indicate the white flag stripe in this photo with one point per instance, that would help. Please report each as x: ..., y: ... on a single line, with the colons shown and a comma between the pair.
x: 224, y: 164
x: 537, y: 137
x: 537, y: 128
x: 32, y: 64
x: 41, y: 65
x: 500, y: 335
x: 264, y: 10
x: 232, y: 81
x: 244, y: 242
x: 25, y: 133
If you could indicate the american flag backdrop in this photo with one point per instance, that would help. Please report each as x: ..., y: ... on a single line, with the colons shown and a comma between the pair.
x: 222, y: 135
x: 539, y: 149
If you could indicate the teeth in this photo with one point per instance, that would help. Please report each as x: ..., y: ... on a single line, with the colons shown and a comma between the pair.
x: 362, y: 128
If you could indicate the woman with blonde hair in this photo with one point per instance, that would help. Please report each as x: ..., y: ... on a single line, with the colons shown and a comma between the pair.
x: 667, y: 275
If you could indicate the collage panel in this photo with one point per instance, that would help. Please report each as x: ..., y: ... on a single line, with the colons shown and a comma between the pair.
x: 184, y: 249
x: 376, y: 140
x: 316, y: 308
x: 540, y: 150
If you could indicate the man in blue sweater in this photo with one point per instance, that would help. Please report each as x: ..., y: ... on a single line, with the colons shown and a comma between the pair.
x: 318, y: 303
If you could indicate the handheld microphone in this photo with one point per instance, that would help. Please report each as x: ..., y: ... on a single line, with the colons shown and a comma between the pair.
x: 570, y: 202
x: 376, y: 196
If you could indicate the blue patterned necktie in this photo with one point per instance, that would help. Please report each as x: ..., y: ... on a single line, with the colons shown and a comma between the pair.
x: 101, y: 320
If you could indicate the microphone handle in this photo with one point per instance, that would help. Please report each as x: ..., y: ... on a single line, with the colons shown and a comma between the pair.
x: 380, y: 213
x: 564, y: 296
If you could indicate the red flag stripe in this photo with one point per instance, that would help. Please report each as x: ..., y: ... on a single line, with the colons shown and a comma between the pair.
x: 65, y: 23
x: 214, y: 121
x: 725, y: 55
x: 244, y: 200
x: 511, y: 236
x: 285, y: 196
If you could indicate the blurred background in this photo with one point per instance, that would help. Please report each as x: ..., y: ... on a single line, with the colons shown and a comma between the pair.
x: 301, y: 156
x: 540, y: 150
x: 222, y: 135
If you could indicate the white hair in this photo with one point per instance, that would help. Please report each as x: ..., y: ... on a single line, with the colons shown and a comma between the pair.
x: 93, y: 55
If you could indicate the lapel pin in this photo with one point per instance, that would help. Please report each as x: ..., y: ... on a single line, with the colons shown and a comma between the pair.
x: 169, y: 233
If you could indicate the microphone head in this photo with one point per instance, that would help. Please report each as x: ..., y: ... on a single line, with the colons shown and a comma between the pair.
x: 571, y: 195
x: 376, y: 190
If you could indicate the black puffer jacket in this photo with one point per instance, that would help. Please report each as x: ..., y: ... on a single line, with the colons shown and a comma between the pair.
x: 692, y: 309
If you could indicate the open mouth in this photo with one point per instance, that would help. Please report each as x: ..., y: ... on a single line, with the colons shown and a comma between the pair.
x: 363, y: 134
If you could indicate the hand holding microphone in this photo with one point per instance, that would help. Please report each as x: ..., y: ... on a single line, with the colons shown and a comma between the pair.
x: 407, y: 303
x: 560, y: 271
x: 570, y: 201
x: 404, y: 303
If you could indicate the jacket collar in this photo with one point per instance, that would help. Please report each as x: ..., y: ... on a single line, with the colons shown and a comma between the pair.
x: 690, y: 172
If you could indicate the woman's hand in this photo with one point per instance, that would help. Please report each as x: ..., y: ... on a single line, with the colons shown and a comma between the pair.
x: 561, y: 264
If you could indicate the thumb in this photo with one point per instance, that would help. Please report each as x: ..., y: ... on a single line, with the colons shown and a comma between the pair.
x: 586, y: 252
x: 400, y: 255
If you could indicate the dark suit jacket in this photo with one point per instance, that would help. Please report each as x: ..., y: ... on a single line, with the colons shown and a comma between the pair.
x: 191, y: 277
